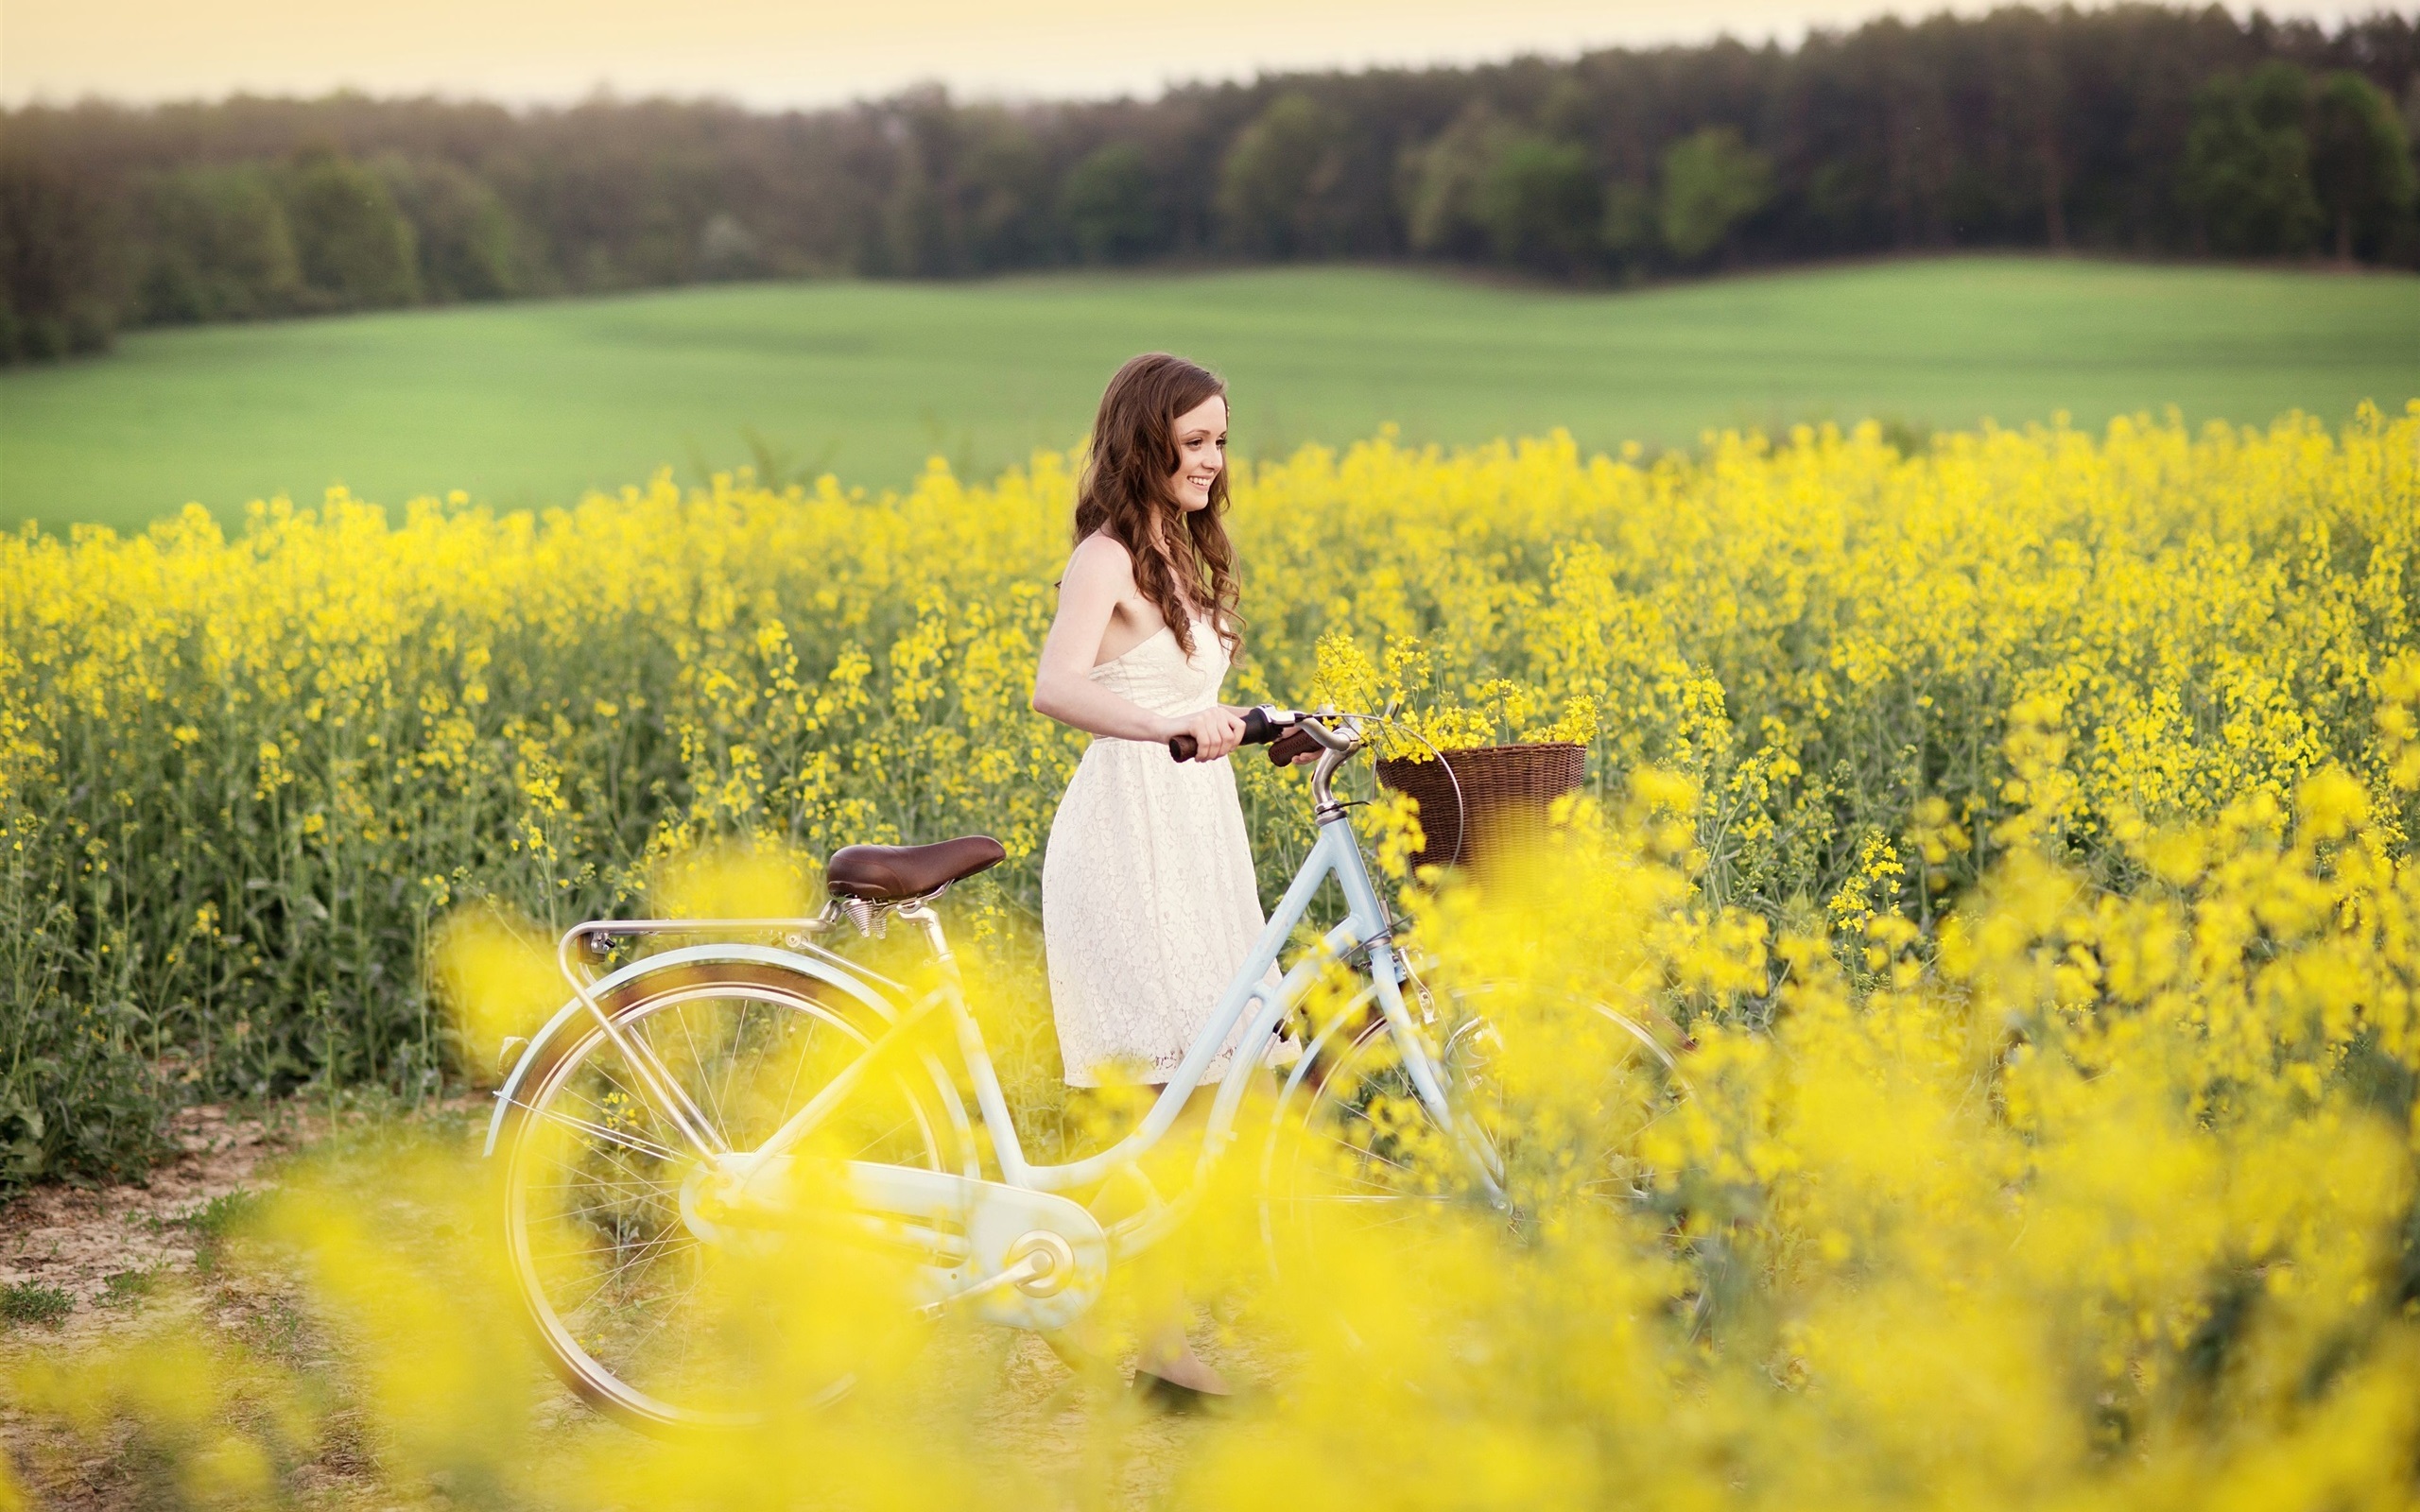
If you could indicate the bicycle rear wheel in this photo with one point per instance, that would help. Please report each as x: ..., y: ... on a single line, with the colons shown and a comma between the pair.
x: 650, y: 1311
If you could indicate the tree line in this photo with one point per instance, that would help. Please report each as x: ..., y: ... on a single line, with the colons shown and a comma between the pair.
x: 2139, y: 129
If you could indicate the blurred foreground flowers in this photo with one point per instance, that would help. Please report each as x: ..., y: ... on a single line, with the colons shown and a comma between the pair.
x: 2073, y: 1198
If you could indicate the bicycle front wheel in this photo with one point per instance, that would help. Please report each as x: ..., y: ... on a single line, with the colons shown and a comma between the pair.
x: 1352, y: 1148
x: 640, y: 1303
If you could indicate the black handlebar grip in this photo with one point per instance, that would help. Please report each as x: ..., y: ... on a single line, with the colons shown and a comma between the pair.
x: 1259, y: 729
x: 1291, y: 747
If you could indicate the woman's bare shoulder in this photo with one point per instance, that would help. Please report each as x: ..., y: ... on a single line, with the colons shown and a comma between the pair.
x: 1100, y: 558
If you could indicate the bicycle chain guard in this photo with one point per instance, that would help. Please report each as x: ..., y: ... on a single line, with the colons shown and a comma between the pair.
x: 1023, y: 1259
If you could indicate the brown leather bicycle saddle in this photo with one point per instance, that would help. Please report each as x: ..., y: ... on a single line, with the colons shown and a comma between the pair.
x: 887, y: 873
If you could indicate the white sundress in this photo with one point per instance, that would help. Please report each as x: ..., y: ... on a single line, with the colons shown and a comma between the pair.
x: 1149, y: 906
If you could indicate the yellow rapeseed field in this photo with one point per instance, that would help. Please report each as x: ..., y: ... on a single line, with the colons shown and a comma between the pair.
x: 241, y: 777
x: 2021, y: 828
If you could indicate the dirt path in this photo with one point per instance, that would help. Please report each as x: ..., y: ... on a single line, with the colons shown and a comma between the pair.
x: 75, y: 1240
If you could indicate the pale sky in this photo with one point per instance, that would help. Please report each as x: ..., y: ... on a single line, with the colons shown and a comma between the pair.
x: 811, y: 52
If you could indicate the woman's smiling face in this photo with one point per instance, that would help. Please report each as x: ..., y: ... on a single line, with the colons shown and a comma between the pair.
x: 1201, y: 436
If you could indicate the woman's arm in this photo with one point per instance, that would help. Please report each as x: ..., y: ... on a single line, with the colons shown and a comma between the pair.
x: 1098, y: 576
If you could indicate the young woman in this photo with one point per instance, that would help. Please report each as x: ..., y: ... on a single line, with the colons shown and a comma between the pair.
x: 1149, y: 906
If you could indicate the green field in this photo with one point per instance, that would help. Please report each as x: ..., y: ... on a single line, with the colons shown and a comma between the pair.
x: 530, y: 402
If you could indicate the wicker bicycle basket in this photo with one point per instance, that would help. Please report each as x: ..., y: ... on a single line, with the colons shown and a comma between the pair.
x: 1506, y: 791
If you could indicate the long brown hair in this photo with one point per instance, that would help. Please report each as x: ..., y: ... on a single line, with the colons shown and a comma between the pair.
x: 1179, y: 557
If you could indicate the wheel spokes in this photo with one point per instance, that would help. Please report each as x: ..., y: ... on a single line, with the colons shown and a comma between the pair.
x: 1358, y: 1150
x: 642, y: 1306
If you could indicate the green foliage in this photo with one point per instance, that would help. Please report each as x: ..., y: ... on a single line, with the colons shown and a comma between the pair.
x: 2361, y: 161
x: 1712, y: 182
x: 1540, y: 204
x: 1486, y: 190
x: 1110, y: 204
x: 58, y: 238
x: 224, y: 1216
x: 1003, y: 192
x: 971, y: 192
x: 1629, y: 230
x: 1273, y: 175
x: 218, y: 245
x: 125, y: 1287
x: 726, y: 248
x: 461, y: 230
x: 2247, y: 165
x: 32, y: 1302
x: 352, y: 245
x: 1443, y: 180
x: 78, y: 1098
x: 2066, y: 129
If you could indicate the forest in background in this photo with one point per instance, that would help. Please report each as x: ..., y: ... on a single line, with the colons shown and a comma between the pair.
x: 2138, y: 129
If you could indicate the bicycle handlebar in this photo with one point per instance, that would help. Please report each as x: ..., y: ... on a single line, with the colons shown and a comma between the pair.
x: 1262, y: 725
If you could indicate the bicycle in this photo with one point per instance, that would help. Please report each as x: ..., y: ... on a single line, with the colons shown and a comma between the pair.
x: 644, y: 1137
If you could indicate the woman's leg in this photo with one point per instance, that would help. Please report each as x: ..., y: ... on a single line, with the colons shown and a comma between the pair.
x: 1162, y: 1313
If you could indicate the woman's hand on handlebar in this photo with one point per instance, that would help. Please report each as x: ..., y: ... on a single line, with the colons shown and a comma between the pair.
x: 1293, y: 748
x: 1216, y: 731
x: 1282, y: 731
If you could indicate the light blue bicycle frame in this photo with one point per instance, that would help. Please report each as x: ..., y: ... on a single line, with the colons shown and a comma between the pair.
x: 1249, y: 1001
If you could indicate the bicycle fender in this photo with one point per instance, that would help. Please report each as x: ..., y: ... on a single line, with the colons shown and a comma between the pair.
x: 687, y: 955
